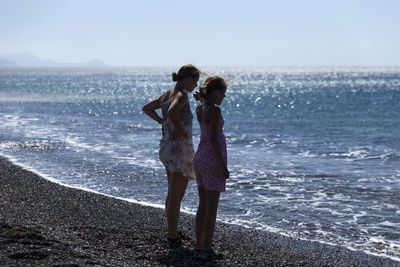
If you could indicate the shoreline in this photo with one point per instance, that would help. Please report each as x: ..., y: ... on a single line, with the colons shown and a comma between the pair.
x: 45, y: 223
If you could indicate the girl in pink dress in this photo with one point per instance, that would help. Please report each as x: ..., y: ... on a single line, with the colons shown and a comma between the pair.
x: 210, y: 162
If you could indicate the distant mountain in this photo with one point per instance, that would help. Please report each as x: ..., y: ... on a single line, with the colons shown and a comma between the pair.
x: 7, y: 63
x: 94, y: 63
x: 30, y: 60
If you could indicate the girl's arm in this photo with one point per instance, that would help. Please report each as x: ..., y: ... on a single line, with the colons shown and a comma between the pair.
x: 177, y: 104
x: 149, y: 110
x: 199, y: 112
x: 215, y: 118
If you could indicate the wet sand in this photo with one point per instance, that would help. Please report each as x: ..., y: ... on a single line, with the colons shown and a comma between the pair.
x: 44, y: 224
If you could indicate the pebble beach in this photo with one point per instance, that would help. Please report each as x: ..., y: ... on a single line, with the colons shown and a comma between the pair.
x: 47, y: 224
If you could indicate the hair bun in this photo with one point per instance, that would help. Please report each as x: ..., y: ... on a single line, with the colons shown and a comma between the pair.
x: 174, y: 77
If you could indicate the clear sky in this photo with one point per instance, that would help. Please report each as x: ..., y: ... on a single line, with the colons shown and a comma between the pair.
x: 205, y: 33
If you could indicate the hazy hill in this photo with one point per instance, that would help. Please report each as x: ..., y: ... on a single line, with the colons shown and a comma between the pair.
x: 30, y: 60
x: 7, y: 63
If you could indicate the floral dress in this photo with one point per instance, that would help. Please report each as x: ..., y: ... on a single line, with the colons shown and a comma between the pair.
x: 177, y: 155
x: 208, y: 170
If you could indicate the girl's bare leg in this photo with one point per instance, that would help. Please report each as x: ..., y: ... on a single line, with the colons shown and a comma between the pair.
x: 176, y: 191
x: 212, y: 199
x: 167, y: 198
x: 200, y: 217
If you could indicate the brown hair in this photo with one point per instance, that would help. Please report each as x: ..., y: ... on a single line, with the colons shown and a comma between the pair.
x: 185, y: 71
x: 210, y: 84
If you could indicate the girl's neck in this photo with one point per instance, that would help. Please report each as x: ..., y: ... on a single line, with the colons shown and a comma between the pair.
x: 178, y: 87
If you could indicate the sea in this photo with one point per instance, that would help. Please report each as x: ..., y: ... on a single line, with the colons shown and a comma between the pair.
x: 313, y: 152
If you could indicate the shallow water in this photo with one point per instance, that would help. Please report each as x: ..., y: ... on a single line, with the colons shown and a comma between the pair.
x: 313, y: 153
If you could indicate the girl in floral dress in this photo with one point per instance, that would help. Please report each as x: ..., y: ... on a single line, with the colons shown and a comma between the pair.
x: 176, y: 147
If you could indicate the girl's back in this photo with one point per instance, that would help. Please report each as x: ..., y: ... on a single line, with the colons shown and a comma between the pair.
x: 204, y: 118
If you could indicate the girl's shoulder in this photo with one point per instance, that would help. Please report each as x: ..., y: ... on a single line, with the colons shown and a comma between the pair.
x: 205, y: 113
x: 208, y: 108
x: 181, y: 97
x: 181, y: 94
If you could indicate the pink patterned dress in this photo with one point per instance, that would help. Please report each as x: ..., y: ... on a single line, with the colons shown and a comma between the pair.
x: 208, y: 170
